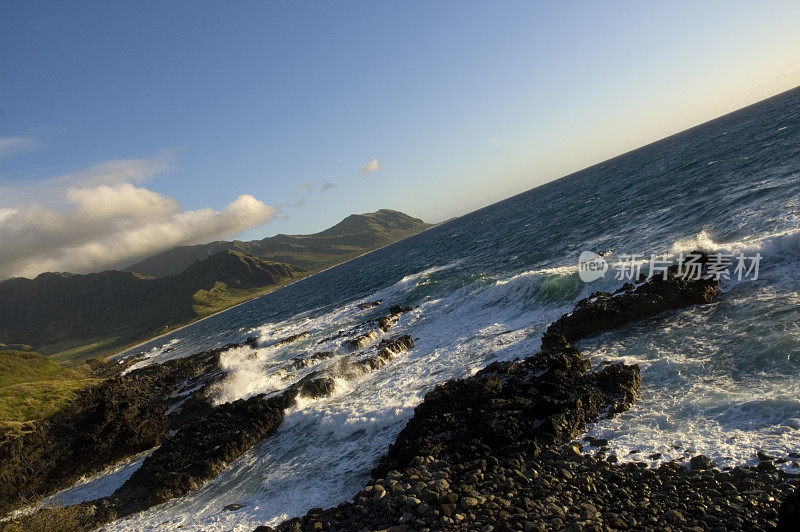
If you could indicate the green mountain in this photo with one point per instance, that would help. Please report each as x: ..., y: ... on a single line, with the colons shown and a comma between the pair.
x: 353, y: 236
x: 72, y: 317
x: 69, y: 314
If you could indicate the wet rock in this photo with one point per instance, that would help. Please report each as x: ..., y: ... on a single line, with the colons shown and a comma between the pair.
x: 304, y: 362
x: 627, y: 287
x: 701, y: 462
x: 674, y: 517
x: 766, y: 465
x: 232, y: 507
x: 387, y: 322
x: 122, y: 416
x: 789, y: 513
x: 361, y: 340
x: 467, y: 503
x: 313, y: 386
x: 198, y: 452
x: 604, y: 311
x: 251, y: 341
x: 369, y: 304
x: 293, y: 338
x: 596, y: 442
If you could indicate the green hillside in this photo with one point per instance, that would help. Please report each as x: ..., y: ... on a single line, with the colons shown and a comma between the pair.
x: 33, y: 386
x: 71, y: 317
x: 353, y: 236
x: 75, y: 316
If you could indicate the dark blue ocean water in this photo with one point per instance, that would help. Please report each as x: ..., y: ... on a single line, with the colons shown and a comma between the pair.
x: 721, y: 379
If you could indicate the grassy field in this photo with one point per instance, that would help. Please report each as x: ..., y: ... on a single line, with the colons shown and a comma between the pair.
x: 33, y: 387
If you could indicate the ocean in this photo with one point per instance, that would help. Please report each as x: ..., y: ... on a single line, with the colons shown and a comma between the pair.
x: 721, y: 379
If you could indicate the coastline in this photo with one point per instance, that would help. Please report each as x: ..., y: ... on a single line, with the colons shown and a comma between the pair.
x: 501, y: 446
x: 119, y: 352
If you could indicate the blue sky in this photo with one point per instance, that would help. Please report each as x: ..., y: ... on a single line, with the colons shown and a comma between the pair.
x: 463, y: 103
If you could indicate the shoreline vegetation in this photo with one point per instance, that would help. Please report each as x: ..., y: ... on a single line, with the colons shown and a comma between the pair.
x: 497, y: 447
x: 34, y: 387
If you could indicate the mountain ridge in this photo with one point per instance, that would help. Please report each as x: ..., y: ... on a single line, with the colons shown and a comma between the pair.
x: 76, y: 316
x: 354, y: 235
x: 54, y: 308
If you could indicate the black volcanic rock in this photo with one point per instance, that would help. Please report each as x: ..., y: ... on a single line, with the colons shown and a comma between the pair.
x: 604, y: 311
x: 562, y: 489
x: 121, y: 417
x: 362, y: 340
x: 483, y: 451
x: 199, y: 452
x: 701, y: 462
x: 293, y: 338
x: 789, y: 513
x: 399, y: 309
x: 106, y: 424
x: 533, y: 404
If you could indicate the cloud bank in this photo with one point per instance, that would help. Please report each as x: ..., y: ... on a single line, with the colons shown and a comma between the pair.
x: 54, y: 189
x: 112, y: 224
x: 373, y: 166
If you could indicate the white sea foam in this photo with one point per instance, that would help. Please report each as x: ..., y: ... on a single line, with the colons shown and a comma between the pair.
x: 698, y: 393
x: 90, y: 487
x: 325, y: 447
x: 152, y: 356
x: 715, y: 380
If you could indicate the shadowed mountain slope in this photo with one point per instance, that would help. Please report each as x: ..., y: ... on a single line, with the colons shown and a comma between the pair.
x: 353, y: 236
x: 55, y: 308
x: 72, y: 316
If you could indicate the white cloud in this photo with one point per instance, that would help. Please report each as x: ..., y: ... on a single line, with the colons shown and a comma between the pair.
x: 5, y: 213
x: 9, y: 145
x: 119, y: 171
x: 112, y: 225
x: 373, y: 166
x: 115, y: 171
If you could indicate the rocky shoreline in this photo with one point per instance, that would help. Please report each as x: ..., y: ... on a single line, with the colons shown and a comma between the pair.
x: 166, y: 405
x: 494, y: 451
x: 561, y: 489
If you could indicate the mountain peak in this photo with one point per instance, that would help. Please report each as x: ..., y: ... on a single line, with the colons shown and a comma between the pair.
x: 354, y: 235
